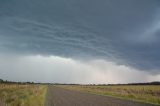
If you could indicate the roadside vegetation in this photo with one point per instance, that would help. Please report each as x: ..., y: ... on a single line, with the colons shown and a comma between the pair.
x: 141, y: 93
x: 22, y: 94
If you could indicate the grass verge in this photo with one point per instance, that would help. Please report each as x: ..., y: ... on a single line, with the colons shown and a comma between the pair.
x: 22, y: 95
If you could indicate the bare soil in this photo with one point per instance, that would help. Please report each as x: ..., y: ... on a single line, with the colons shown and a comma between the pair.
x: 57, y: 96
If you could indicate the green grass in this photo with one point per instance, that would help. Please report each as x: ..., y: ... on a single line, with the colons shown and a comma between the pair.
x: 22, y: 95
x: 141, y: 93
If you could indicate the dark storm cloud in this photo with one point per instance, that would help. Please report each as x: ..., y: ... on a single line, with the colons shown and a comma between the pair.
x: 123, y: 31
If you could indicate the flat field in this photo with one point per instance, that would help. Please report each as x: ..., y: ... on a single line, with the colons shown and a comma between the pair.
x: 22, y: 95
x: 141, y: 93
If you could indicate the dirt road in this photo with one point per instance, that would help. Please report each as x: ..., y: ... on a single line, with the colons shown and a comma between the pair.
x: 61, y: 97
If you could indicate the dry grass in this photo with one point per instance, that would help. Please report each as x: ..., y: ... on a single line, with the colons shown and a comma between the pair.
x: 22, y: 95
x: 142, y: 93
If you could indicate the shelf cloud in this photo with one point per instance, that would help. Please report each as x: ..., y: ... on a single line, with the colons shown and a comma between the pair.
x: 106, y: 41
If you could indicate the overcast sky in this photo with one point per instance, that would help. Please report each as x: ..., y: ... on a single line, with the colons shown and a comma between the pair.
x: 80, y: 41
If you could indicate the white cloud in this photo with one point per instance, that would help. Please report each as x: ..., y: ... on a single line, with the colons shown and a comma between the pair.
x: 66, y: 70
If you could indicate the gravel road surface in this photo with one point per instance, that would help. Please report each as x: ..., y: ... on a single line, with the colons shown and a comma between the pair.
x: 61, y: 97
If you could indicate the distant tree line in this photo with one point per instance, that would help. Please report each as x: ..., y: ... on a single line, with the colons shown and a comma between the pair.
x: 12, y: 82
x: 147, y: 83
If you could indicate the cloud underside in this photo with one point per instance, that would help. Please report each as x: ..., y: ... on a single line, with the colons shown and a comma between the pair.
x: 65, y: 70
x: 119, y: 31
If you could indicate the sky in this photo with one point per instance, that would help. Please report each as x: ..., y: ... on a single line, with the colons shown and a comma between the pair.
x: 80, y: 41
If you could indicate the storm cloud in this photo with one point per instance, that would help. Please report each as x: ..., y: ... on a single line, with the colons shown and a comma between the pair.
x: 125, y: 33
